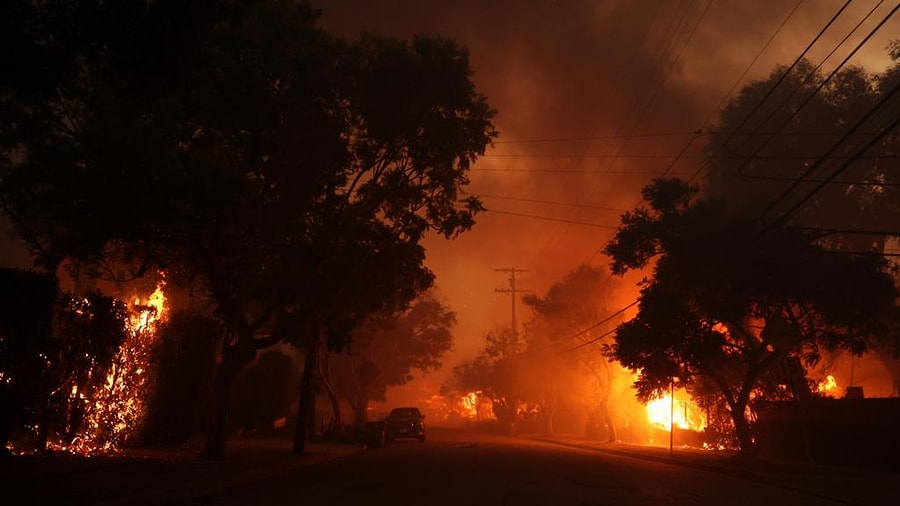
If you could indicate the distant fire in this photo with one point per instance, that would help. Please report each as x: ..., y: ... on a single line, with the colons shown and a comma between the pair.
x: 828, y: 386
x: 469, y: 404
x: 661, y: 414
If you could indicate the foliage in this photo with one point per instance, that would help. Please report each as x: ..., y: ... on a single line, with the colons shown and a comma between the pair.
x: 55, y: 352
x: 238, y: 147
x: 493, y: 374
x: 564, y: 364
x: 90, y: 331
x: 729, y: 299
x: 183, y: 365
x: 810, y: 126
x: 388, y: 347
x: 27, y: 304
x: 263, y: 393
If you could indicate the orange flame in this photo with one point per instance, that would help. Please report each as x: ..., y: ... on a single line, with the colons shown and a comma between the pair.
x: 119, y: 405
x: 662, y: 414
x: 469, y: 404
x: 828, y: 386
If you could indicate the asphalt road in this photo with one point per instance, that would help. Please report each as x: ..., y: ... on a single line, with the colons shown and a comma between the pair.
x: 455, y: 468
x: 452, y: 467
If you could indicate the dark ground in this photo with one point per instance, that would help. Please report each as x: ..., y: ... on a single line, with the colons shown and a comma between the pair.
x: 179, y: 476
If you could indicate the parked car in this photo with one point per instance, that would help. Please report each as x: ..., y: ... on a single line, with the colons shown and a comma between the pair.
x: 404, y: 423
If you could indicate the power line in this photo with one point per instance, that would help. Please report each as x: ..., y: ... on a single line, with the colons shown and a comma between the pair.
x: 594, y: 326
x: 536, y: 201
x: 858, y: 153
x: 756, y: 58
x: 840, y: 169
x: 818, y: 88
x: 790, y: 68
x: 657, y: 88
x: 834, y: 147
x: 772, y: 89
x: 601, y: 322
x: 591, y: 341
x: 593, y: 138
x: 547, y: 218
x: 568, y: 171
x: 864, y: 148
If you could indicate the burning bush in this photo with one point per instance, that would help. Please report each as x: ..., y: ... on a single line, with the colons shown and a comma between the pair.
x: 82, y: 366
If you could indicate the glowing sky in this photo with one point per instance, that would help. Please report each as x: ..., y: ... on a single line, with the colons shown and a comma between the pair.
x: 570, y: 69
x: 613, y: 71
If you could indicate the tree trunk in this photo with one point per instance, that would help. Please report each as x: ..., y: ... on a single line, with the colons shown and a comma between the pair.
x: 742, y: 429
x: 606, y: 417
x: 234, y: 359
x: 548, y: 419
x: 325, y: 376
x: 360, y: 408
x: 307, y: 406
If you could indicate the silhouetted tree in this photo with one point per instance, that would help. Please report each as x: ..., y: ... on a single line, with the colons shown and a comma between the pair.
x: 55, y: 353
x: 27, y: 304
x: 789, y: 133
x: 273, y: 169
x: 89, y: 331
x: 183, y: 364
x: 263, y: 393
x: 575, y: 303
x: 388, y: 348
x: 729, y: 299
x: 495, y: 374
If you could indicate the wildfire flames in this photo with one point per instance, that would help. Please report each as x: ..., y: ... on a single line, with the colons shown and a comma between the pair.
x: 118, y: 407
x: 661, y: 414
x: 469, y: 404
x: 828, y: 386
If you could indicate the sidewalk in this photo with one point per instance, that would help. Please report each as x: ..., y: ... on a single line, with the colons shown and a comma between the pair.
x: 155, y: 477
x: 843, y: 485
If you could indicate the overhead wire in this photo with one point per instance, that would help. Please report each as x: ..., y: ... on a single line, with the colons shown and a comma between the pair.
x: 861, y: 149
x: 550, y: 202
x: 620, y: 79
x: 819, y: 87
x: 865, y: 147
x: 680, y: 155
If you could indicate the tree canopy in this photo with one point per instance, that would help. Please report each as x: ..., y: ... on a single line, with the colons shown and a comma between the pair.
x: 821, y: 139
x: 253, y: 157
x: 728, y: 299
x: 388, y: 348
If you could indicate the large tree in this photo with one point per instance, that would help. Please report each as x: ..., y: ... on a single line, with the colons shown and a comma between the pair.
x: 494, y: 374
x: 578, y: 301
x: 816, y: 150
x: 729, y: 299
x: 803, y: 132
x: 387, y: 349
x: 265, y: 165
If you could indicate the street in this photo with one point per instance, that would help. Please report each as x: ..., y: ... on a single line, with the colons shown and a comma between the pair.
x: 461, y: 468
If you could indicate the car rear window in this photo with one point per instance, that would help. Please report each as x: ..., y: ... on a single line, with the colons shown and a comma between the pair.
x: 404, y: 412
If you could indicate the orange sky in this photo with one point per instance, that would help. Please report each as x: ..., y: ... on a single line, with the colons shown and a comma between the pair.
x: 570, y: 69
x: 610, y: 70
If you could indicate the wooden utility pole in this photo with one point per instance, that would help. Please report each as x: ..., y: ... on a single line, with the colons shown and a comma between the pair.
x: 512, y: 291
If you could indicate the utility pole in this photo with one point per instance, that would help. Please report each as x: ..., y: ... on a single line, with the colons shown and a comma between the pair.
x: 512, y: 291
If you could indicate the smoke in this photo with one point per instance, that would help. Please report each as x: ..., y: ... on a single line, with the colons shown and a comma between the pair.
x: 613, y: 71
